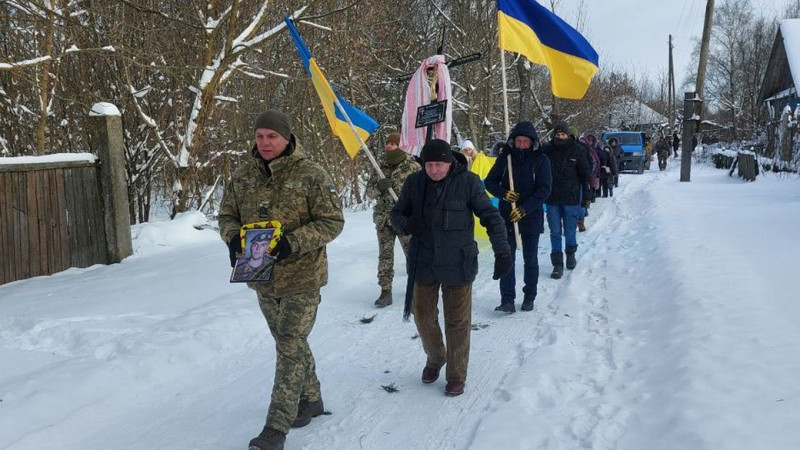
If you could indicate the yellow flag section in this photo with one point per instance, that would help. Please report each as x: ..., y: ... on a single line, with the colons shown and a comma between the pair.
x: 481, y: 166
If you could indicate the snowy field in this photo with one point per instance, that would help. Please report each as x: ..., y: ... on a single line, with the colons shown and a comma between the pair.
x: 677, y: 330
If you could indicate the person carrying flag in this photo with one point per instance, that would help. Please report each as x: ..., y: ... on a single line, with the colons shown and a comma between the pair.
x: 532, y: 179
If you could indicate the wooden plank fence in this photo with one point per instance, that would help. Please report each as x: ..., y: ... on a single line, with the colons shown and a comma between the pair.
x: 51, y: 218
x: 58, y: 214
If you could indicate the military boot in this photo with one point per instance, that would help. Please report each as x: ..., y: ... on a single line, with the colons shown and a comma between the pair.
x: 571, y: 261
x: 558, y: 265
x: 385, y: 299
x: 307, y: 410
x: 269, y: 439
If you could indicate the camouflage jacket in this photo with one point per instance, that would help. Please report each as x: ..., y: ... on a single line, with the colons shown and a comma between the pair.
x: 298, y: 193
x: 383, y: 200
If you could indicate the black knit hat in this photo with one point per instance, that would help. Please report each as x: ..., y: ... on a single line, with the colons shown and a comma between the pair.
x: 274, y: 120
x: 437, y: 150
x: 561, y: 127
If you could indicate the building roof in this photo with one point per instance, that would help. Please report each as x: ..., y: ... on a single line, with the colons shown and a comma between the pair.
x: 783, y: 67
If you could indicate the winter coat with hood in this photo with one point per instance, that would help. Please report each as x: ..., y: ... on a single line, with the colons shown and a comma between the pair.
x: 571, y: 171
x: 532, y: 180
x: 300, y: 195
x: 447, y: 253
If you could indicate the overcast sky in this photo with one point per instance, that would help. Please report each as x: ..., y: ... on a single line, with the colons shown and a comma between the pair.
x: 633, y: 34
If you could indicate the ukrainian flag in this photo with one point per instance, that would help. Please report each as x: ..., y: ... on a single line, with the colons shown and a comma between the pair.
x: 529, y: 28
x: 364, y: 124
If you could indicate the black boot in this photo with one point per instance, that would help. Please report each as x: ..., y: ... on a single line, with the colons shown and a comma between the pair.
x: 306, y: 411
x: 571, y: 262
x: 269, y: 439
x: 385, y: 299
x: 558, y: 265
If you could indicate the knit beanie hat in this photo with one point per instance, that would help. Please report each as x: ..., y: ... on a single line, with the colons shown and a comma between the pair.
x: 274, y: 120
x: 467, y: 144
x: 561, y: 127
x: 393, y: 138
x: 437, y: 150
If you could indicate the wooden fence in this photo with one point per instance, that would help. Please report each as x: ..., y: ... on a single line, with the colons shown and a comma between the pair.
x: 50, y: 219
x: 56, y: 214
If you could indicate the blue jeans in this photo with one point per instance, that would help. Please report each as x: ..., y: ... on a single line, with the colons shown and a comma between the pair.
x: 508, y: 284
x: 562, y: 220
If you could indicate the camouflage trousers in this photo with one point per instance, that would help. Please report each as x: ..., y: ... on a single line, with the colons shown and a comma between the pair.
x: 457, y: 302
x: 290, y: 321
x: 386, y: 235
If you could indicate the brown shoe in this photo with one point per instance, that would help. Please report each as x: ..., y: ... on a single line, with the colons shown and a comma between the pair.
x: 430, y: 374
x: 454, y: 388
x: 581, y: 226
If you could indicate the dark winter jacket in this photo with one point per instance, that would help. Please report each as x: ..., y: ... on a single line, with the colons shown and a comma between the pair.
x: 571, y: 171
x: 607, y: 160
x: 532, y: 180
x: 447, y: 252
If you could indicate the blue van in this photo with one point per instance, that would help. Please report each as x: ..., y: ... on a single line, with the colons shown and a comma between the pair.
x: 631, y: 143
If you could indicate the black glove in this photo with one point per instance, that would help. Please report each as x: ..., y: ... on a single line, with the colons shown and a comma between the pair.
x: 517, y: 214
x: 282, y: 249
x: 415, y: 227
x: 502, y: 265
x: 511, y: 196
x: 234, y: 247
x: 383, y: 184
x: 586, y: 202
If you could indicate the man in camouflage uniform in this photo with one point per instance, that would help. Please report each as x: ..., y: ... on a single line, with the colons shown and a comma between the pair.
x: 396, y: 166
x: 279, y: 183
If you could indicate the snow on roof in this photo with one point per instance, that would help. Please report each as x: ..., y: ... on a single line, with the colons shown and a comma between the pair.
x: 790, y: 29
x: 631, y: 111
x: 54, y: 158
x: 104, y: 109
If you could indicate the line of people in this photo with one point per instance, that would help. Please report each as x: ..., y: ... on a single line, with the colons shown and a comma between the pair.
x: 433, y: 218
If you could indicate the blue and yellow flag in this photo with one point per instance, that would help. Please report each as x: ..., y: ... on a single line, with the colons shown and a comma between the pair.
x: 364, y: 124
x: 529, y: 28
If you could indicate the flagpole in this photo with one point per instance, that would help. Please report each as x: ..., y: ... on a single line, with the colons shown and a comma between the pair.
x: 508, y: 130
x: 364, y: 147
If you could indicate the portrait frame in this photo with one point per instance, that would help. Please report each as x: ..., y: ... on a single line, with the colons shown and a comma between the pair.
x: 255, y: 264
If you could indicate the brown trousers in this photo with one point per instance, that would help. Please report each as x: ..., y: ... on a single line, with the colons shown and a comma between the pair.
x: 457, y: 302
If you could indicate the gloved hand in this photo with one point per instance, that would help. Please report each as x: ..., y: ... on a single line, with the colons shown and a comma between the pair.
x: 282, y: 249
x: 234, y: 247
x: 502, y: 265
x: 415, y: 227
x: 511, y: 196
x: 517, y: 214
x: 383, y: 184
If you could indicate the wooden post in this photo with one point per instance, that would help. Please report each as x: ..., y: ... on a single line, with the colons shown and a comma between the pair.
x: 105, y: 134
x: 691, y: 108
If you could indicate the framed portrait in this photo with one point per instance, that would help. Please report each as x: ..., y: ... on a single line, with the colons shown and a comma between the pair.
x: 255, y: 264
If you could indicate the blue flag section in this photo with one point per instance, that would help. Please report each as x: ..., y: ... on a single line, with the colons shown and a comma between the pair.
x: 528, y: 28
x: 364, y: 124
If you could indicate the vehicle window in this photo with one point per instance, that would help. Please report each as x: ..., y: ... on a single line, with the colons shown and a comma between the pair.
x: 626, y: 139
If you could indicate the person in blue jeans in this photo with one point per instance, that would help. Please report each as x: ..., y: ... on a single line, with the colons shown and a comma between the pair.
x: 521, y: 205
x: 571, y: 172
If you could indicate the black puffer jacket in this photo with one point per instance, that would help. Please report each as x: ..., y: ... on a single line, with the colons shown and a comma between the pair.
x: 447, y: 253
x: 571, y: 172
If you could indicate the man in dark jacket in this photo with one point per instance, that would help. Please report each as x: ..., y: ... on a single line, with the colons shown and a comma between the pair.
x: 436, y: 208
x: 532, y: 182
x: 570, y: 173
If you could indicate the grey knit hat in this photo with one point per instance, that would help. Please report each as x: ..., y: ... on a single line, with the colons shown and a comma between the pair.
x: 274, y: 120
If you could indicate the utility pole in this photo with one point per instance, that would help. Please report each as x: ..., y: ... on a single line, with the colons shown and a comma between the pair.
x: 671, y: 91
x: 693, y: 101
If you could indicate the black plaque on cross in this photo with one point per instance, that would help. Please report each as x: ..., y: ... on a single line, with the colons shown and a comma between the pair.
x: 432, y: 113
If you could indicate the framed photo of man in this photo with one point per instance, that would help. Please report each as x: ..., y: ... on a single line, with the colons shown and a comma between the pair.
x: 255, y: 264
